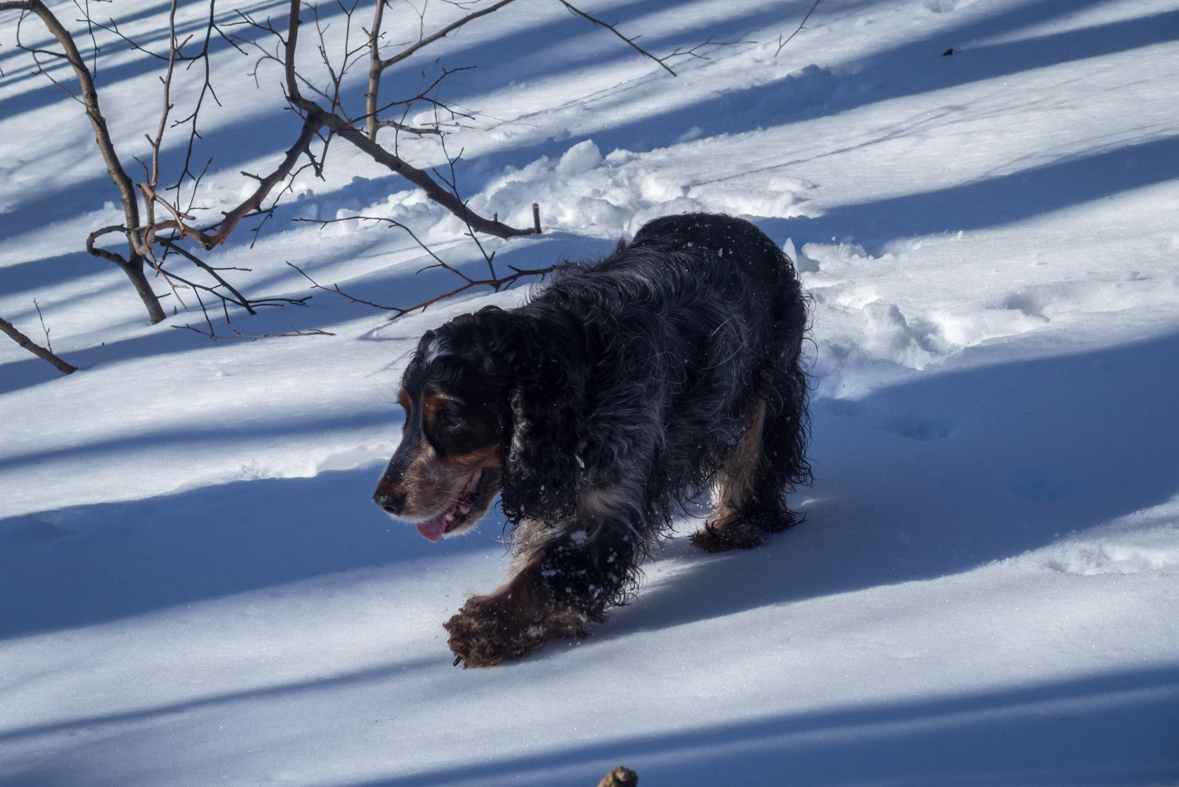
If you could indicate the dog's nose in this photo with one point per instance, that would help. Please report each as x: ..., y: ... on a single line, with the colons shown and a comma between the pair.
x: 392, y: 503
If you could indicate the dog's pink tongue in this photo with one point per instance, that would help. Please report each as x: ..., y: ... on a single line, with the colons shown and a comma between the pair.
x: 433, y: 529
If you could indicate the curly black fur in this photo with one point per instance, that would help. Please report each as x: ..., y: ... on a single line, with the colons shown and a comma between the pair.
x: 623, y: 388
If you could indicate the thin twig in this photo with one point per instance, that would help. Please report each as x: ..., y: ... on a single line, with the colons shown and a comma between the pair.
x: 256, y: 336
x: 577, y: 11
x: 336, y: 289
x: 45, y: 328
x: 782, y: 43
x: 496, y: 283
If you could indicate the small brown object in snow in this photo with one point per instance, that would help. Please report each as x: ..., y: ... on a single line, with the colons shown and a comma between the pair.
x: 620, y: 777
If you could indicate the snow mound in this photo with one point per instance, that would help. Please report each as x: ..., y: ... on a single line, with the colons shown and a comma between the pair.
x: 614, y: 195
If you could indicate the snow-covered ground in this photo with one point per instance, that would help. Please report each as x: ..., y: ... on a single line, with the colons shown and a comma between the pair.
x: 195, y: 588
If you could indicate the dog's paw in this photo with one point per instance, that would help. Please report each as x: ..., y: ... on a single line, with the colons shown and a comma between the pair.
x: 488, y: 631
x: 746, y: 530
x: 722, y: 539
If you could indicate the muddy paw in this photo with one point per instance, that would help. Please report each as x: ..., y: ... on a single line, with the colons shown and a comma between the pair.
x: 489, y: 630
x: 480, y: 635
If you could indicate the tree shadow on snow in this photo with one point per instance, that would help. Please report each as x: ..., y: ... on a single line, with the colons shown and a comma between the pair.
x: 1115, y: 729
x: 934, y: 477
x: 988, y: 202
x: 908, y: 69
x: 945, y: 474
x: 85, y: 565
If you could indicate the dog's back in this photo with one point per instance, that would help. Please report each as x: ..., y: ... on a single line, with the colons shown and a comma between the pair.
x: 684, y: 332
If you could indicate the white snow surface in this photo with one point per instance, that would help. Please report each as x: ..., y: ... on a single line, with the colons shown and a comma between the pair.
x: 196, y: 589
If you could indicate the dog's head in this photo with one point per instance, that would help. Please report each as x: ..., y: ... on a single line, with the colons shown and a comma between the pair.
x: 450, y: 464
x: 493, y: 403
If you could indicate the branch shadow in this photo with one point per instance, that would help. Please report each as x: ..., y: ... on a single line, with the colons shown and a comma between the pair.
x: 282, y: 690
x: 912, y: 68
x: 810, y: 93
x: 990, y: 202
x: 84, y: 565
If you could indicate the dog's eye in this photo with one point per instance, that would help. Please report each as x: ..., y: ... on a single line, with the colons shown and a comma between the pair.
x: 450, y: 420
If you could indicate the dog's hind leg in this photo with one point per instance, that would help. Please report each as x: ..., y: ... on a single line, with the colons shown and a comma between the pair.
x: 771, y: 456
x: 736, y: 521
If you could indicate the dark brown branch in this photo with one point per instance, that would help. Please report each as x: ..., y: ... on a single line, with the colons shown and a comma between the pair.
x: 782, y: 43
x: 30, y: 345
x: 241, y: 299
x: 133, y: 266
x: 225, y: 299
x: 316, y: 117
x: 419, y: 178
x: 495, y: 284
x: 427, y: 40
x: 253, y: 204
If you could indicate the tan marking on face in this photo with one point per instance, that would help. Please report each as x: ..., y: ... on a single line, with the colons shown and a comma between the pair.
x: 404, y: 400
x: 484, y: 456
x: 430, y: 485
x: 432, y: 403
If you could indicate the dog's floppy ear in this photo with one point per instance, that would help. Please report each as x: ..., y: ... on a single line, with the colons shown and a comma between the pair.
x: 542, y: 475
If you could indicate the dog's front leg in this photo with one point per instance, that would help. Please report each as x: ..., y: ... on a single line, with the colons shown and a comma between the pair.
x: 511, y: 623
x: 567, y: 582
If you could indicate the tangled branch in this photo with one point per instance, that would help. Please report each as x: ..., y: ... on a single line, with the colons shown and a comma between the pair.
x: 496, y: 283
x: 256, y: 336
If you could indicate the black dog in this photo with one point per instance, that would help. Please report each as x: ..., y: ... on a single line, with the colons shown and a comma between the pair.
x: 596, y: 411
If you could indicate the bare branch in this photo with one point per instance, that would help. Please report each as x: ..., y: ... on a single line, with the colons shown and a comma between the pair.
x: 453, y: 184
x: 241, y: 299
x: 614, y: 30
x: 30, y: 345
x: 496, y: 283
x: 694, y: 51
x: 421, y: 179
x: 782, y: 43
x: 427, y: 40
x: 253, y: 203
x: 336, y: 289
x: 377, y: 65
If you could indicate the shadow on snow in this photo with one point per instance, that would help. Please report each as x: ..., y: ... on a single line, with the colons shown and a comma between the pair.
x: 1115, y: 729
x: 934, y: 477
